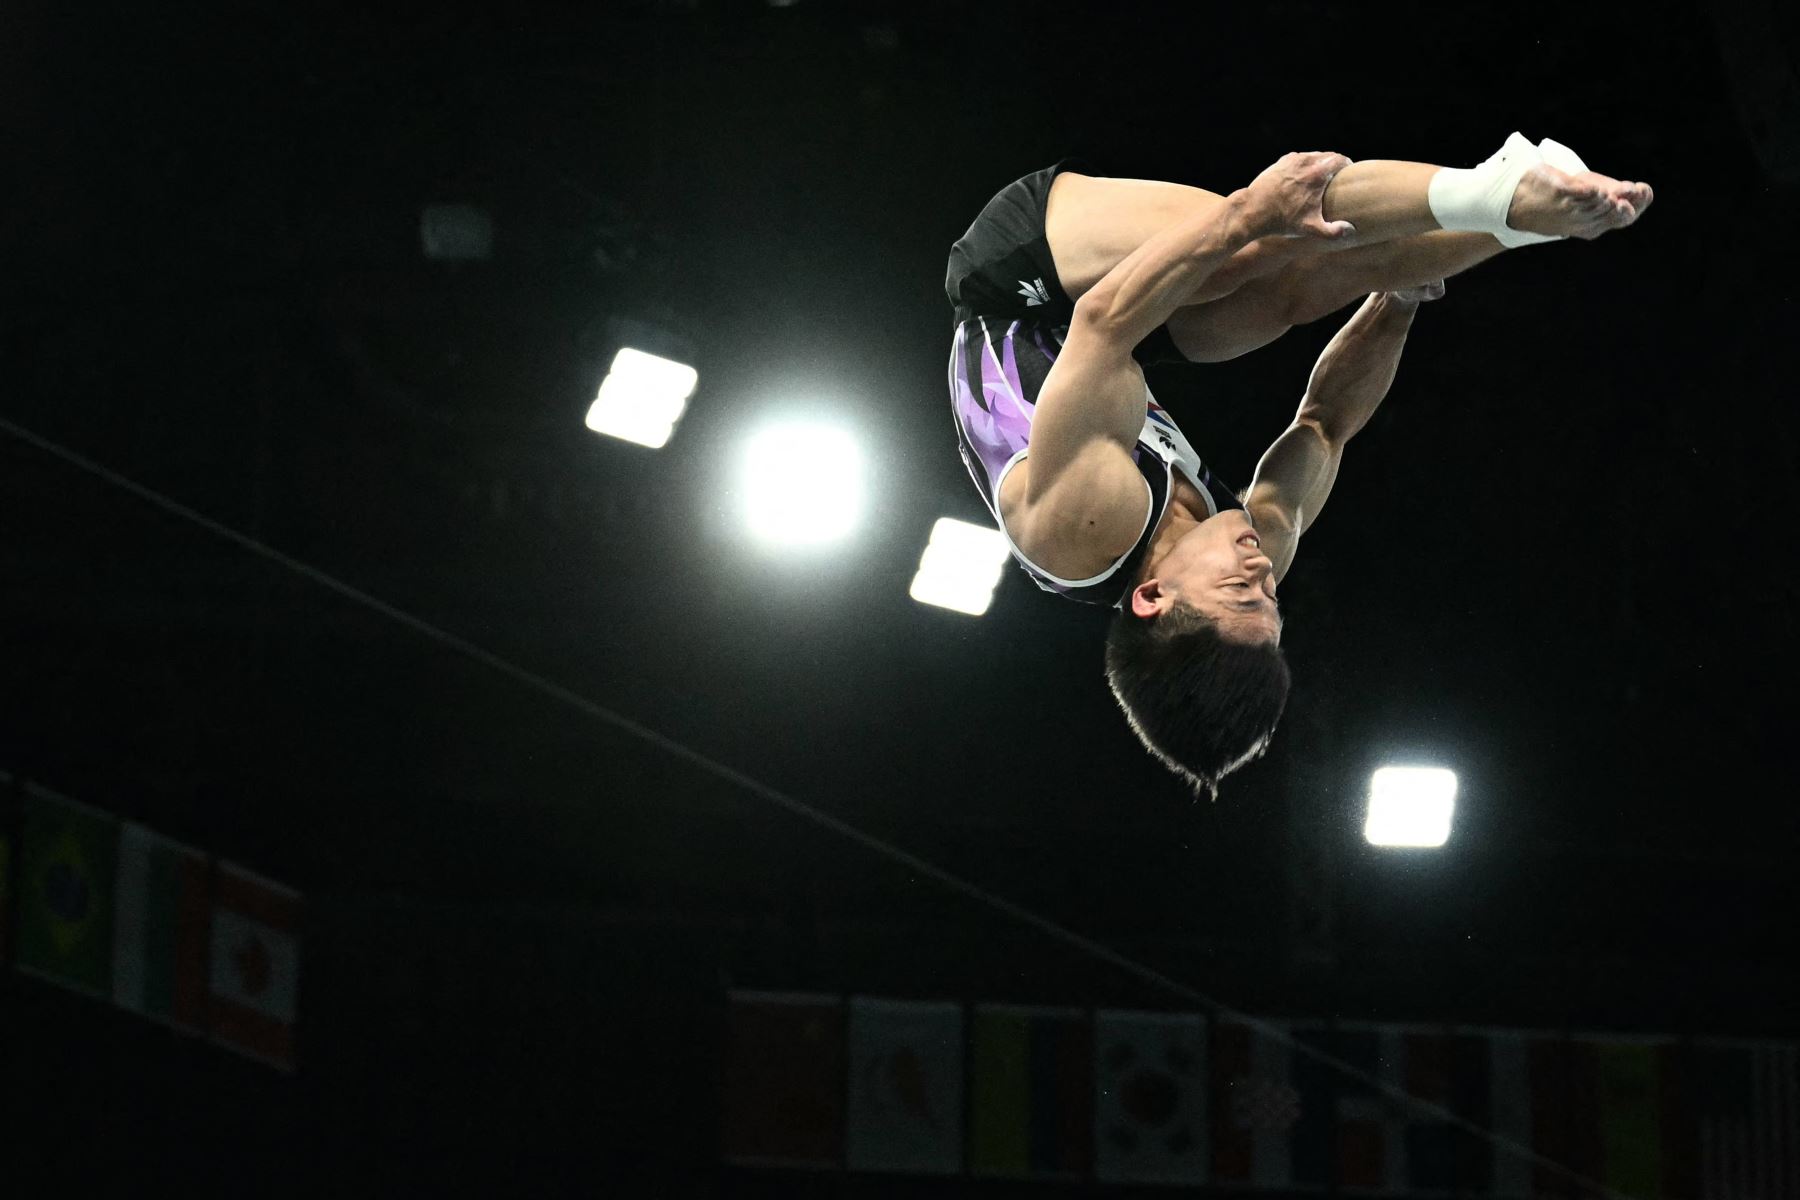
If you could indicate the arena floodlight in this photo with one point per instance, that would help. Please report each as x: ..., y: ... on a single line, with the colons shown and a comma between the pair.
x: 641, y: 398
x: 1410, y: 806
x: 803, y: 483
x: 960, y: 567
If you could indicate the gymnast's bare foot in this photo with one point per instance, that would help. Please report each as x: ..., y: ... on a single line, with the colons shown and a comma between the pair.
x: 1585, y: 206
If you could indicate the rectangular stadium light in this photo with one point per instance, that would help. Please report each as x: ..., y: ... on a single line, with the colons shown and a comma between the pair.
x: 1410, y: 806
x: 960, y: 567
x: 641, y: 398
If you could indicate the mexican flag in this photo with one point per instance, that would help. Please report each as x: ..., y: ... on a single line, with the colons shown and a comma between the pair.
x: 64, y: 892
x: 906, y: 1086
x: 253, y: 982
x: 160, y: 928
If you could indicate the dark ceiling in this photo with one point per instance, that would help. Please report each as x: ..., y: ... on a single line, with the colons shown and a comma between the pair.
x: 1559, y: 560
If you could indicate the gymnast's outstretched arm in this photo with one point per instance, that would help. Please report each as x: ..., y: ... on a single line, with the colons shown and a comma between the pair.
x: 1080, y: 487
x: 1348, y: 384
x: 1093, y: 398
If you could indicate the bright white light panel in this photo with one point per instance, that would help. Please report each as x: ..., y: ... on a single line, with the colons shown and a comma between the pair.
x: 1410, y: 806
x: 641, y: 398
x: 803, y: 484
x: 960, y: 567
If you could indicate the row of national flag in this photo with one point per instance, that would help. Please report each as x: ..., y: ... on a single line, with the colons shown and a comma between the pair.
x: 1356, y: 1109
x: 114, y: 910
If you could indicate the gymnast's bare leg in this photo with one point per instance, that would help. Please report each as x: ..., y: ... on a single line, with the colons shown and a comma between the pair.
x: 1093, y: 222
x: 1305, y: 289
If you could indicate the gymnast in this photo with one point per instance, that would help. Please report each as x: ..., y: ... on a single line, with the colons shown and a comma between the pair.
x: 1067, y: 281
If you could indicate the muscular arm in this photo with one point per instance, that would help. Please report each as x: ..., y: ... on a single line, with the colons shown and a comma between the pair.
x: 1083, y: 499
x: 1095, y: 392
x: 1161, y: 275
x: 1286, y: 200
x: 1348, y: 384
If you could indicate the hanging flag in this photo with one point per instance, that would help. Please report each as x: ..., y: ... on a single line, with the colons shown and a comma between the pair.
x: 1271, y: 1105
x: 1031, y: 1093
x: 1554, y: 1135
x: 1490, y: 1087
x: 1394, y: 1138
x: 1626, y: 1097
x: 65, y: 877
x: 784, y: 1080
x: 254, y: 966
x: 160, y: 928
x: 1747, y: 1101
x: 1524, y: 1090
x: 5, y: 896
x: 6, y: 866
x: 906, y: 1086
x: 1150, y: 1110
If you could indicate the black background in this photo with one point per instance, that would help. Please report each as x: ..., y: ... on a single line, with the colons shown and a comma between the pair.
x: 1558, y: 561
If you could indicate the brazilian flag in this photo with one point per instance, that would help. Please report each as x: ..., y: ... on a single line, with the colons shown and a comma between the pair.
x: 66, y: 859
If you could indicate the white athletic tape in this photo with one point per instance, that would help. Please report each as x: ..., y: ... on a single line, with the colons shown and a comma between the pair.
x: 1561, y: 157
x: 1476, y: 199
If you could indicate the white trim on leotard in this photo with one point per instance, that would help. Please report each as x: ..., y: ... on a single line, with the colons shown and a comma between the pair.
x: 1102, y: 577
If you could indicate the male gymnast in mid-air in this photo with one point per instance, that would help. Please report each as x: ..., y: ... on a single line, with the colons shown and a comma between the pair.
x: 1066, y: 282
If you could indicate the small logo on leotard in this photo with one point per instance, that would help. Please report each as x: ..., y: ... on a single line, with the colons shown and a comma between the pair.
x: 1035, y: 292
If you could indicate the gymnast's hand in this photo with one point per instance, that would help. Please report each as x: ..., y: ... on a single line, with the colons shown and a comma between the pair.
x: 1288, y: 198
x: 1423, y: 294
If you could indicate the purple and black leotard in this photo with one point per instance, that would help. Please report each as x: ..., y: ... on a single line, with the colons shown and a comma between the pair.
x: 1011, y: 317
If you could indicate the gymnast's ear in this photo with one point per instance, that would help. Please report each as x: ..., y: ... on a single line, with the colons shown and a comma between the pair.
x: 1149, y: 599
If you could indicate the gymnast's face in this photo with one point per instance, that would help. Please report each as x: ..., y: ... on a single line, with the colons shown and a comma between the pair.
x: 1219, y: 568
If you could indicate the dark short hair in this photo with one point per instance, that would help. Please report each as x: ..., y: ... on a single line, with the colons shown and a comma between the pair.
x: 1202, y: 703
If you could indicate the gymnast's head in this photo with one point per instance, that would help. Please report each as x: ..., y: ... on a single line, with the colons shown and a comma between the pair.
x: 1194, y: 656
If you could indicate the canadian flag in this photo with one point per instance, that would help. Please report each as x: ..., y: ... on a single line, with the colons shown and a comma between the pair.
x: 254, y: 974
